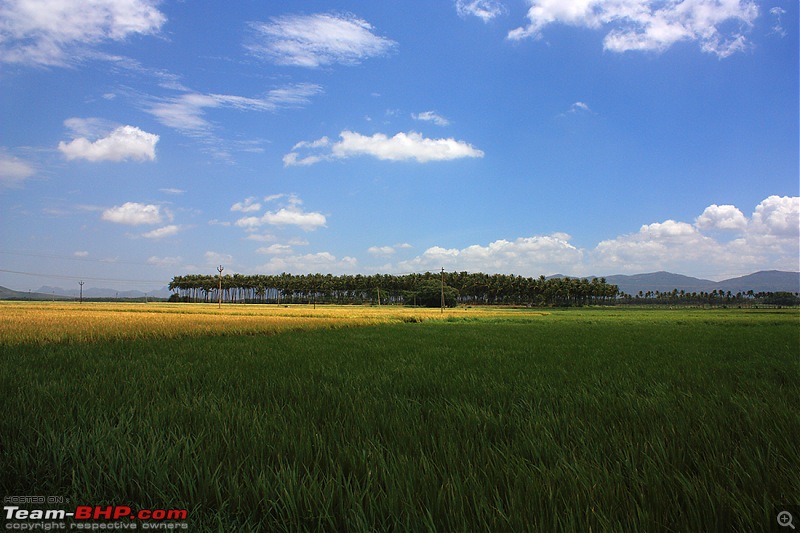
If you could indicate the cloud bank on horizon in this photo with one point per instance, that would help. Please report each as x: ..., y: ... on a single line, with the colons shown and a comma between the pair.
x: 528, y: 137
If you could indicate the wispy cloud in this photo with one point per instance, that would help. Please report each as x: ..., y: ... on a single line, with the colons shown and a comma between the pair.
x: 485, y: 10
x: 59, y: 33
x: 431, y: 116
x: 187, y: 112
x: 249, y: 205
x: 649, y: 25
x: 160, y: 233
x: 778, y: 28
x: 13, y: 171
x: 317, y: 40
x: 400, y: 147
x: 387, y: 251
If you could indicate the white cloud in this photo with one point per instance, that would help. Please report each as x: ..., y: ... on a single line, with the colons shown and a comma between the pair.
x: 81, y: 253
x: 317, y: 40
x: 401, y: 147
x: 778, y: 27
x: 485, y: 10
x: 186, y: 112
x: 294, y: 216
x: 249, y: 205
x: 90, y: 127
x: 668, y: 245
x: 649, y: 25
x: 290, y: 215
x: 722, y: 217
x: 779, y: 216
x: 431, y: 116
x: 135, y: 214
x: 530, y: 256
x: 386, y: 251
x: 381, y: 250
x: 172, y: 190
x: 275, y: 249
x: 60, y: 32
x: 125, y: 142
x: 769, y: 240
x: 321, y: 262
x: 579, y: 107
x: 160, y: 233
x: 13, y: 171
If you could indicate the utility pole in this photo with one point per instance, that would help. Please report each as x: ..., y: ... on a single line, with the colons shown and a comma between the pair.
x: 81, y: 284
x: 442, y: 290
x: 219, y: 292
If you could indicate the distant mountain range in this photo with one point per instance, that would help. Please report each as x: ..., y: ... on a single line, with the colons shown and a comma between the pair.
x: 764, y: 281
x: 57, y: 293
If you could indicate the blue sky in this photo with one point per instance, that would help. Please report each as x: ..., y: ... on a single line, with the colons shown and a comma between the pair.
x: 142, y: 139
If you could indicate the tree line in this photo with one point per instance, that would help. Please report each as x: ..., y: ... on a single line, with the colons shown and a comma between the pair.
x: 461, y: 288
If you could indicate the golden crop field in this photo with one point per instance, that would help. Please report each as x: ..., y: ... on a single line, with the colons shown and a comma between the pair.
x: 46, y: 322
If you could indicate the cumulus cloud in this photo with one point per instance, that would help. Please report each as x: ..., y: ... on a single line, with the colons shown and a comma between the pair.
x: 770, y: 239
x: 321, y: 262
x: 668, y: 245
x: 778, y: 216
x: 125, y: 142
x: 294, y: 216
x: 135, y: 214
x: 431, y: 116
x: 58, y: 32
x: 401, y: 147
x: 526, y: 255
x: 13, y: 171
x: 317, y: 40
x: 650, y: 25
x: 290, y: 215
x: 485, y: 10
x: 722, y: 217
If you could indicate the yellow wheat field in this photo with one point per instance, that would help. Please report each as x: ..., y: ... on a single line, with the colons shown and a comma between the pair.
x: 46, y: 322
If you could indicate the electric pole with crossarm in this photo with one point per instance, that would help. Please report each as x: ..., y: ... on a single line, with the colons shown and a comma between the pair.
x: 442, y: 290
x: 219, y: 292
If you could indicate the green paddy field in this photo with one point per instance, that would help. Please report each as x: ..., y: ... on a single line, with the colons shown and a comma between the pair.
x: 474, y: 420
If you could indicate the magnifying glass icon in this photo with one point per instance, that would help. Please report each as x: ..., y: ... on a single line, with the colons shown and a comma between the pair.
x: 785, y: 519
